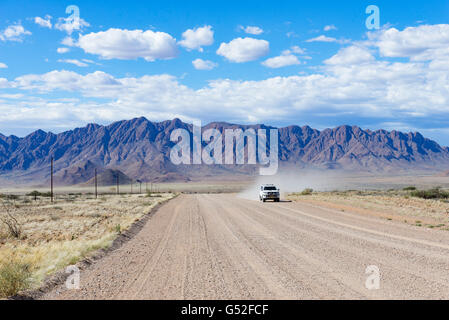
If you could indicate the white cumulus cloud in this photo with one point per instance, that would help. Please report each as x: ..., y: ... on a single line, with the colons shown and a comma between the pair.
x: 195, y: 39
x: 68, y: 41
x: 71, y: 24
x: 284, y: 60
x: 3, y: 66
x: 201, y: 64
x: 129, y: 44
x: 350, y: 56
x: 62, y: 50
x: 324, y: 38
x: 393, y: 91
x: 252, y: 30
x: 14, y: 33
x: 244, y: 49
x: 67, y: 81
x: 330, y: 27
x: 44, y: 22
x: 74, y: 61
x: 298, y: 50
x: 420, y: 43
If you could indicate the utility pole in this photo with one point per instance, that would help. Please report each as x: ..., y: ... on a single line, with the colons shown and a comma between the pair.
x: 51, y: 179
x: 96, y: 185
x: 146, y: 186
x: 140, y: 185
x: 118, y: 191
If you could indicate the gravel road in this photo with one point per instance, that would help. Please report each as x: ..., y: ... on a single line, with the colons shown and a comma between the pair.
x: 224, y: 247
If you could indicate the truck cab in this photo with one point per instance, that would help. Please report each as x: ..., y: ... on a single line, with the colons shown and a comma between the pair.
x: 269, y: 192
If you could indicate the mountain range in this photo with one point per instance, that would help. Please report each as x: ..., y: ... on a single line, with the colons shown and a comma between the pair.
x: 140, y: 149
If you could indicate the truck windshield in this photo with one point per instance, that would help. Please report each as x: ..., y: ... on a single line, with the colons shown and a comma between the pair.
x: 270, y: 188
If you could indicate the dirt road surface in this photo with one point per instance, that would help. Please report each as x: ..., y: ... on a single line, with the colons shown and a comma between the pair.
x: 224, y: 247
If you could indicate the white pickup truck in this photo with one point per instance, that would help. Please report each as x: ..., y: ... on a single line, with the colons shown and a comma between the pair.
x: 269, y: 192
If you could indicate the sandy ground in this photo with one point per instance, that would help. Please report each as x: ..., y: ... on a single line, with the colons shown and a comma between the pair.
x: 394, y: 205
x: 224, y: 247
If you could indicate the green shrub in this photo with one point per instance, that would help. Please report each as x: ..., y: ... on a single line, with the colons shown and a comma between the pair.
x: 39, y: 194
x: 307, y: 191
x: 410, y: 188
x: 14, y: 277
x: 435, y: 193
x: 33, y: 193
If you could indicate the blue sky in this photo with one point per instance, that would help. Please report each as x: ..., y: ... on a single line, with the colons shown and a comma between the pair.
x: 295, y: 62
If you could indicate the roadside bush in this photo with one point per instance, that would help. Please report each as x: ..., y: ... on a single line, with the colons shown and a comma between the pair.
x: 307, y: 191
x: 14, y: 277
x: 39, y: 194
x: 435, y: 193
x: 410, y: 188
x: 9, y: 196
x: 153, y: 195
x: 11, y: 222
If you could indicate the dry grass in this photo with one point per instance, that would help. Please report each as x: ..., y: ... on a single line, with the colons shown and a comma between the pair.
x: 397, y: 205
x: 60, y: 234
x: 14, y: 277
